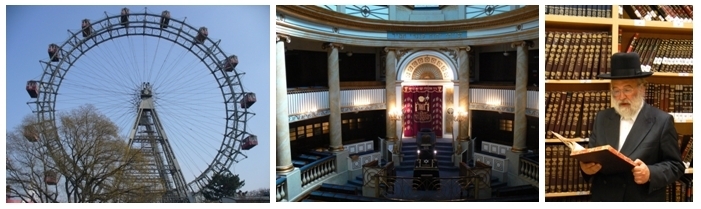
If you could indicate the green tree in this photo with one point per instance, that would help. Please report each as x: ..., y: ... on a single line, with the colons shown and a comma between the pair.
x: 224, y: 184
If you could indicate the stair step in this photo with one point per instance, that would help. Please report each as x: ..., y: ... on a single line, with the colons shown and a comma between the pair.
x: 338, y: 189
x: 498, y: 185
x: 516, y: 190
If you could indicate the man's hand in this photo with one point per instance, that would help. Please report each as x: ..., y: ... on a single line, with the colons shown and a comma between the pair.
x: 641, y: 173
x: 590, y: 168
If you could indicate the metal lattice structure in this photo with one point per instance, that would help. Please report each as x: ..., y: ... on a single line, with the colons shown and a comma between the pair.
x: 147, y: 131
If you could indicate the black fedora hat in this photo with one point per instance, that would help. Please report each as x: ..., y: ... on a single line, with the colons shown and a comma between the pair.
x: 625, y: 66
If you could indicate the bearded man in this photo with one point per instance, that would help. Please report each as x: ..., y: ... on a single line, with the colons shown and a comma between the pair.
x: 642, y: 132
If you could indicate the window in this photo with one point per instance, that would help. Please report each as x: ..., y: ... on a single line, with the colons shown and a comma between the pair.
x: 293, y: 134
x: 380, y: 12
x: 478, y: 11
x: 325, y: 127
x: 506, y: 125
x: 329, y: 7
x: 300, y: 131
x: 310, y: 131
x: 426, y: 7
x: 317, y: 129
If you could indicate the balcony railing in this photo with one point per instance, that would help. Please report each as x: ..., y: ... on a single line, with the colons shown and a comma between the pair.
x: 501, y: 97
x: 528, y: 168
x: 318, y: 170
x: 311, y: 101
x: 281, y: 192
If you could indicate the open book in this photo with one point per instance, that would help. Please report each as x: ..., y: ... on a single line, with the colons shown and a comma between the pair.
x: 611, y: 160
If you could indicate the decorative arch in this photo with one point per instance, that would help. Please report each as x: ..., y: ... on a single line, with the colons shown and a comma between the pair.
x: 411, y: 63
x: 427, y: 71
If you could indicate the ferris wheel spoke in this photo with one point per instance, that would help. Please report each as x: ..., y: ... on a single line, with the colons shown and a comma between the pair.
x: 199, y: 122
x: 184, y: 74
x: 117, y: 70
x: 125, y: 61
x: 179, y: 135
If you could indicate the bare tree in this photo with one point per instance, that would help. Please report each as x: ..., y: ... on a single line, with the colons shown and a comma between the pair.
x: 94, y: 163
x: 260, y: 192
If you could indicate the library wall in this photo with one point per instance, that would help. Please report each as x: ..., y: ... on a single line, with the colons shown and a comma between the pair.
x: 580, y: 40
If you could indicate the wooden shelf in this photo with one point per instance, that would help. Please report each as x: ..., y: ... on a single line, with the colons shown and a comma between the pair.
x: 564, y: 20
x: 566, y: 194
x: 576, y: 81
x: 656, y: 26
x: 558, y: 141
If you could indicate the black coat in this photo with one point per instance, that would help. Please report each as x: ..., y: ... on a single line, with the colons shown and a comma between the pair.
x: 652, y: 139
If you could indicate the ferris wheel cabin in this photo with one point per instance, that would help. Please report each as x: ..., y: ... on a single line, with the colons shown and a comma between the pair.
x: 230, y: 63
x: 248, y: 100
x: 87, y: 28
x: 202, y: 34
x: 51, y: 177
x: 53, y: 52
x: 124, y: 18
x: 165, y: 19
x: 33, y: 89
x: 249, y: 142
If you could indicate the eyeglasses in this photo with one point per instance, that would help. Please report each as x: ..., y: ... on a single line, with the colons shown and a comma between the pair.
x: 627, y: 91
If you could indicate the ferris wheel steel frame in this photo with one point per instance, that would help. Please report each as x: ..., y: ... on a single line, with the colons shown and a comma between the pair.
x: 146, y: 24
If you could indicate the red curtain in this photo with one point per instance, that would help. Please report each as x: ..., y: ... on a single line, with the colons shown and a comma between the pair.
x: 422, y: 109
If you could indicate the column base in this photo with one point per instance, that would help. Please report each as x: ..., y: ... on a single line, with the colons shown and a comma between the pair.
x: 284, y: 169
x: 336, y: 149
x: 518, y: 150
x: 391, y: 138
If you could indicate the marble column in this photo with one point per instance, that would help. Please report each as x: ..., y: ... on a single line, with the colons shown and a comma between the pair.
x: 391, y: 105
x: 520, y: 93
x: 463, y: 137
x: 283, y: 155
x: 464, y: 91
x: 336, y: 143
x: 391, y: 92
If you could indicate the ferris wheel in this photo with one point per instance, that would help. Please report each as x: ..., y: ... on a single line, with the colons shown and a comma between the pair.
x: 152, y: 76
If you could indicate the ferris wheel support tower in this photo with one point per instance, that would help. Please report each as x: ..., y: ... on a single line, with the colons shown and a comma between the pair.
x: 148, y: 136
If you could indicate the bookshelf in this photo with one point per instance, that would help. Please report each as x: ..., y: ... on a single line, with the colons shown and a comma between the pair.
x: 577, y: 60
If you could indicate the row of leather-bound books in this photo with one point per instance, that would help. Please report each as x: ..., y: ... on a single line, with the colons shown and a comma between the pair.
x: 681, y: 190
x: 686, y: 147
x: 562, y: 172
x: 667, y: 13
x: 603, y: 11
x: 584, y: 55
x: 670, y: 98
x: 576, y: 55
x: 662, y: 55
x: 572, y: 113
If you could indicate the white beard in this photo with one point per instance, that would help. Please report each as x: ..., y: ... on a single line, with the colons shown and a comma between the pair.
x: 628, y: 111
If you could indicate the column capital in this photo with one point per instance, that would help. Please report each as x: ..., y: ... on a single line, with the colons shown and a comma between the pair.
x: 282, y: 37
x: 395, y: 49
x: 398, y: 52
x: 526, y: 43
x: 464, y: 48
x: 329, y: 45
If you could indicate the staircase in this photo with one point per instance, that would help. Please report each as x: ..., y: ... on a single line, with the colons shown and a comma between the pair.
x: 350, y: 192
x: 444, y: 156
